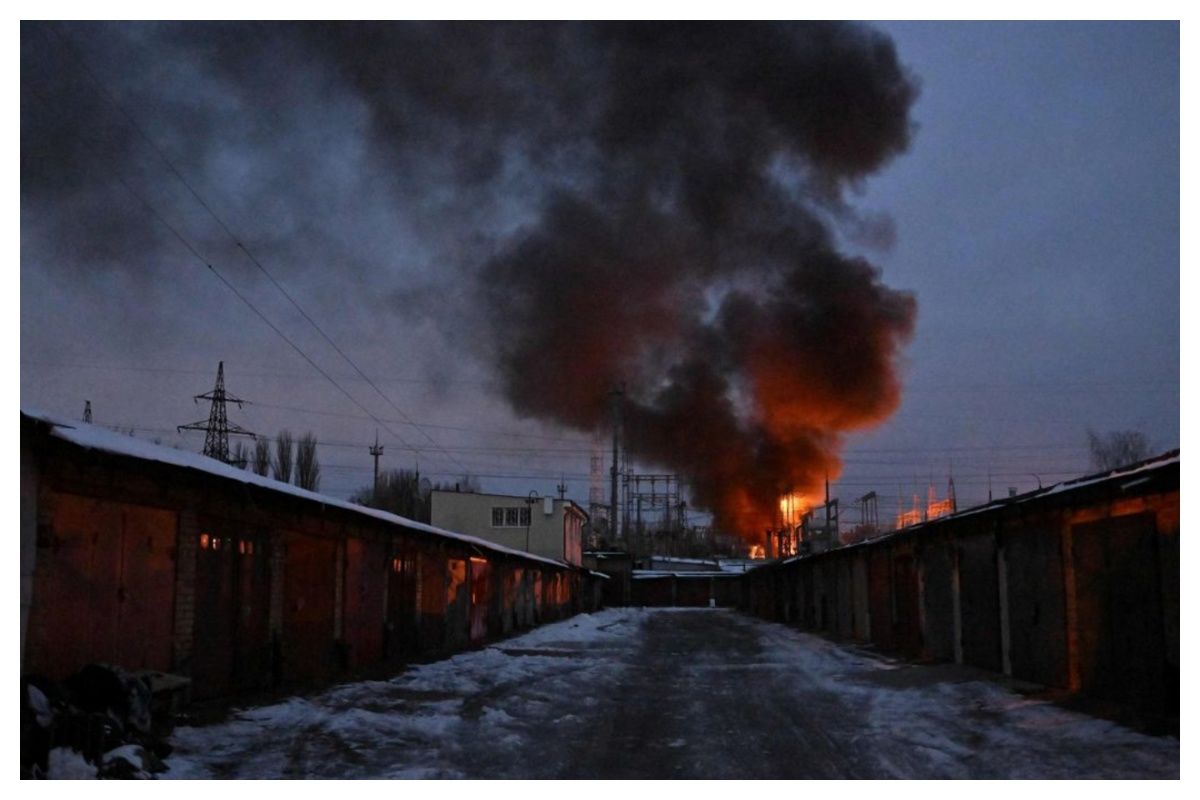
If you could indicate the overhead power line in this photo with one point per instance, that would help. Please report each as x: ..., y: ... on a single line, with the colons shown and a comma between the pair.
x: 95, y: 79
x: 245, y: 300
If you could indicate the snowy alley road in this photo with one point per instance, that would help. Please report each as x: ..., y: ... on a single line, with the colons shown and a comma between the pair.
x: 666, y: 693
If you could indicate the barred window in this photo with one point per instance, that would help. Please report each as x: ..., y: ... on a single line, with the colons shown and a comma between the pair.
x: 510, y: 516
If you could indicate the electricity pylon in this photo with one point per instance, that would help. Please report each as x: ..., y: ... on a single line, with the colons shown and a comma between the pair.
x: 217, y: 429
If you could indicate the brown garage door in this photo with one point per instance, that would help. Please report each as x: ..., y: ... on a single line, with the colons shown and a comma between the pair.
x: 309, y: 579
x: 1122, y: 652
x: 366, y: 577
x: 104, y: 587
x: 233, y: 594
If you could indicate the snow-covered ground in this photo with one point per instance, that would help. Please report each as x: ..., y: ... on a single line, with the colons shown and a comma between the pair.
x: 668, y: 693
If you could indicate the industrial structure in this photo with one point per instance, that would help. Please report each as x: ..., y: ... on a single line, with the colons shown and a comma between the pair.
x: 217, y: 428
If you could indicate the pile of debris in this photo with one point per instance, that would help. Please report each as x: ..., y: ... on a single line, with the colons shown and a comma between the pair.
x: 102, y: 719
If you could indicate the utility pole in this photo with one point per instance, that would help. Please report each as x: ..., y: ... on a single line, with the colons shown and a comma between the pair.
x: 217, y: 428
x: 530, y: 499
x: 376, y: 451
x: 87, y: 411
x: 614, y: 526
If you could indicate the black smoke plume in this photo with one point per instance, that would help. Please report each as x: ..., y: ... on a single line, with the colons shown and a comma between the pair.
x: 656, y: 206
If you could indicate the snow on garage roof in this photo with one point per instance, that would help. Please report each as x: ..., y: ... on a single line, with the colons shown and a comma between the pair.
x: 93, y: 437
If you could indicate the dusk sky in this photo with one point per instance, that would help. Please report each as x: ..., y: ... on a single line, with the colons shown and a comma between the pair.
x: 1031, y: 208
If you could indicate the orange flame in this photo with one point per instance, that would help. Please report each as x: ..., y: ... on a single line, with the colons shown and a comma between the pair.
x: 792, y: 508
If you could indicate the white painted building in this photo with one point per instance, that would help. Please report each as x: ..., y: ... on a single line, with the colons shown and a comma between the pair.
x: 546, y: 526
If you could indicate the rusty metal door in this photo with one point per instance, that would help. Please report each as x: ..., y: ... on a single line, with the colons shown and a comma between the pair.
x: 979, y: 596
x: 481, y: 596
x: 402, y: 617
x: 216, y: 618
x: 458, y: 604
x: 252, y: 600
x: 366, y: 577
x: 103, y: 587
x: 908, y: 603
x: 433, y: 600
x: 1037, y: 615
x: 308, y: 613
x: 146, y: 590
x: 1122, y: 646
x: 879, y: 599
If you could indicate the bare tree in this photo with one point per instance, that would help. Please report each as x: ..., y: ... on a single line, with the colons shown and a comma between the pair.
x: 404, y: 492
x: 261, y: 462
x: 240, y: 456
x: 1117, y: 448
x: 282, y: 466
x: 308, y: 469
x: 399, y: 491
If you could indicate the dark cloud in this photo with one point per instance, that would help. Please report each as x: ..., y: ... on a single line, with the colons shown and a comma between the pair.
x: 648, y: 205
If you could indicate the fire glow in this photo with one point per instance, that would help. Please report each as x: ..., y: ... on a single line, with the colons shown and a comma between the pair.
x: 793, y: 506
x: 746, y: 344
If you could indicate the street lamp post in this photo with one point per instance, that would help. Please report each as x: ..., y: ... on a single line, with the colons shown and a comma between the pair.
x: 529, y: 501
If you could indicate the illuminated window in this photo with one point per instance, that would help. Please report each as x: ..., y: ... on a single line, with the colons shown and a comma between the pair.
x: 204, y: 537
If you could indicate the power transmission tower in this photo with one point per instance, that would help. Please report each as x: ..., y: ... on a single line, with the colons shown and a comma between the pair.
x: 376, y: 451
x: 217, y: 428
x: 87, y: 411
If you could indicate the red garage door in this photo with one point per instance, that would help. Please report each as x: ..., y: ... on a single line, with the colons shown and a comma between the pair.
x: 366, y: 576
x: 104, y: 587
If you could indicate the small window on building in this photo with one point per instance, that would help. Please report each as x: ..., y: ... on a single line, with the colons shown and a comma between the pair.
x: 512, y: 517
x: 497, y: 517
x: 525, y: 516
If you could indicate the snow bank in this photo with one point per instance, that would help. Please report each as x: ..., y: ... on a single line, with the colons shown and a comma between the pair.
x: 66, y: 764
x: 421, y: 723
